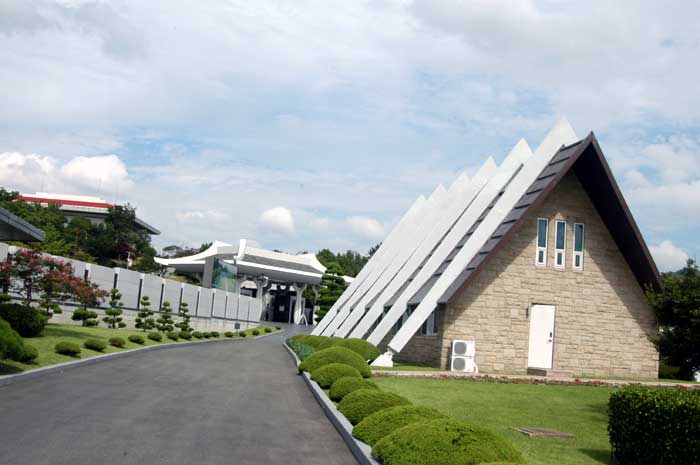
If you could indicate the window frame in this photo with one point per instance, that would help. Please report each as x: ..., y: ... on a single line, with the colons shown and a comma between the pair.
x: 538, y: 248
x: 430, y: 325
x: 578, y: 253
x: 559, y: 252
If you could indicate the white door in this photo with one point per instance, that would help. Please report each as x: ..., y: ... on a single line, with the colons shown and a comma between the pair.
x: 541, y: 336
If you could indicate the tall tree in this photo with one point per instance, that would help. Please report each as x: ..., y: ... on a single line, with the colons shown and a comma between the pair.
x: 332, y: 287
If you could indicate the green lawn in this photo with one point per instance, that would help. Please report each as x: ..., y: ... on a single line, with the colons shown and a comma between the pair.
x: 580, y: 410
x: 54, y: 333
x: 407, y: 367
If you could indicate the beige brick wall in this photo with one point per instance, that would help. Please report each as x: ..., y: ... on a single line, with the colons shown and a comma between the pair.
x: 603, y: 323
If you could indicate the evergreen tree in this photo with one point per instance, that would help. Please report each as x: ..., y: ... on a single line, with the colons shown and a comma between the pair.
x: 113, y: 319
x: 87, y: 317
x: 332, y: 287
x: 165, y: 322
x: 144, y: 318
x: 184, y: 313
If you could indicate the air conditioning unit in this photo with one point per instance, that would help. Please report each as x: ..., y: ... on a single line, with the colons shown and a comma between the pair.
x: 462, y: 357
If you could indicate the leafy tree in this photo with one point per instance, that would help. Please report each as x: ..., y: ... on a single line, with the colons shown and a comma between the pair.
x: 164, y: 322
x: 350, y: 262
x: 113, y: 318
x: 89, y: 295
x: 332, y: 286
x: 184, y: 313
x: 677, y: 307
x: 144, y: 320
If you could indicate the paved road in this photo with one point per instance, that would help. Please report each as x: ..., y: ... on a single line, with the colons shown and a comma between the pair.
x: 223, y: 403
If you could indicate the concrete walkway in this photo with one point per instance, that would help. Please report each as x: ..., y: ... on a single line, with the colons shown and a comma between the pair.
x: 225, y: 403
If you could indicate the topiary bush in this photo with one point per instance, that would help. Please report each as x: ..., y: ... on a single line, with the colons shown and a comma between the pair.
x: 278, y: 328
x: 329, y: 342
x: 256, y: 332
x: 364, y: 402
x: 172, y: 335
x: 11, y: 344
x: 67, y: 348
x: 215, y: 334
x: 154, y: 336
x: 29, y: 354
x: 384, y: 422
x: 302, y: 350
x: 27, y: 321
x: 654, y: 426
x: 268, y: 329
x: 228, y: 334
x: 326, y: 375
x: 206, y: 334
x: 95, y: 344
x: 335, y: 355
x: 186, y: 335
x: 197, y: 335
x: 344, y: 386
x: 136, y: 339
x: 310, y: 340
x: 445, y: 441
x: 367, y: 350
x: 242, y: 333
x: 117, y: 342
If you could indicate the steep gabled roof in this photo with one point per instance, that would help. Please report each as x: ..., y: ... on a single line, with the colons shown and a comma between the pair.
x: 587, y: 161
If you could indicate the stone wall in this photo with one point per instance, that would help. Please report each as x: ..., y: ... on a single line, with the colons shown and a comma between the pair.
x: 603, y: 322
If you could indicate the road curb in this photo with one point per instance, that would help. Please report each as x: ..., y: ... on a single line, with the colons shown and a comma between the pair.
x: 61, y: 367
x: 361, y: 451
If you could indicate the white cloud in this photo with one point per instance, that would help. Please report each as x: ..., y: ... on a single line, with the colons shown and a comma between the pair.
x: 668, y: 257
x: 201, y: 217
x: 278, y: 219
x: 367, y: 228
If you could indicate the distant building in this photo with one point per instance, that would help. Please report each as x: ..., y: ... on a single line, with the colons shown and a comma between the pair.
x: 94, y: 209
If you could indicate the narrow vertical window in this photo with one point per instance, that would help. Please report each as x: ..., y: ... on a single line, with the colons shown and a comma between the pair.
x: 542, y: 227
x: 578, y: 246
x: 560, y: 245
x: 429, y: 327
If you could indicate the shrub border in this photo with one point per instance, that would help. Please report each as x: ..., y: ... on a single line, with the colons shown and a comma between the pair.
x: 61, y: 367
x: 361, y: 451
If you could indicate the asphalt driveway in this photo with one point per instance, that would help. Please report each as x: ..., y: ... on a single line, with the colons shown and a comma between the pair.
x: 223, y: 403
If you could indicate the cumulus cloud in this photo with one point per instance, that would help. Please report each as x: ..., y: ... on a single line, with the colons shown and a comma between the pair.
x: 201, y: 217
x: 668, y: 257
x: 278, y: 220
x: 367, y: 228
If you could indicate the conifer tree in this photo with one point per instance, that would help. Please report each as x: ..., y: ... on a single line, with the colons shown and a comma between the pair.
x: 164, y: 323
x: 113, y: 318
x: 332, y: 286
x: 144, y: 318
x: 184, y: 313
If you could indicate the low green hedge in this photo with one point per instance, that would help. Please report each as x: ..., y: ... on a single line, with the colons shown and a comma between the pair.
x: 335, y: 355
x: 228, y: 334
x: 362, y: 403
x: 367, y: 350
x: 11, y: 344
x: 197, y: 335
x: 655, y: 426
x: 445, y: 441
x: 67, y: 348
x: 95, y: 344
x: 117, y: 342
x: 206, y: 334
x: 267, y: 329
x: 256, y: 332
x: 384, y: 422
x: 329, y: 342
x: 308, y: 339
x: 326, y: 375
x: 242, y: 334
x: 186, y: 335
x: 302, y: 350
x: 215, y: 334
x: 136, y: 339
x: 29, y: 354
x: 344, y: 386
x: 154, y: 336
x: 172, y: 335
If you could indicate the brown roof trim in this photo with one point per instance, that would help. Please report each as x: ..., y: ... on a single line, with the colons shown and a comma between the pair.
x: 588, y: 162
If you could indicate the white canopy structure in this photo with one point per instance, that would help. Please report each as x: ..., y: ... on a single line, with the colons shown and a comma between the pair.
x: 434, y: 243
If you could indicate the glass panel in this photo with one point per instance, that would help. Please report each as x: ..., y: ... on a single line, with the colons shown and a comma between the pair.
x: 577, y: 260
x: 559, y: 258
x: 435, y: 322
x: 561, y: 234
x: 578, y: 238
x: 540, y: 256
x: 542, y: 233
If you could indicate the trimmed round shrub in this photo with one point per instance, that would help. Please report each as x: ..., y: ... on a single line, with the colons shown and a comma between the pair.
x: 206, y: 334
x: 302, y: 350
x: 184, y: 335
x: 256, y: 332
x: 27, y: 321
x: 329, y: 342
x: 215, y: 334
x: 278, y: 328
x: 29, y: 354
x: 654, y: 425
x: 367, y: 350
x: 364, y: 402
x: 197, y: 335
x: 117, y: 342
x: 445, y: 441
x: 136, y: 339
x: 335, y: 355
x: 326, y: 375
x: 268, y: 329
x: 154, y: 336
x: 228, y: 334
x: 308, y: 339
x: 11, y: 344
x: 95, y: 344
x: 384, y: 422
x: 67, y: 348
x: 344, y: 386
x: 242, y: 333
x: 172, y: 335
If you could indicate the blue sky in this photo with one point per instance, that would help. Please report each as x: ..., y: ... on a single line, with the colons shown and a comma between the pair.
x: 310, y: 124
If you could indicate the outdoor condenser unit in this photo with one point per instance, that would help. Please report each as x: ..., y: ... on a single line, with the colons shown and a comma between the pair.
x: 462, y: 359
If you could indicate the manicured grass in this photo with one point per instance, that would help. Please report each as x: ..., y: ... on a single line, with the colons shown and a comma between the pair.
x: 54, y: 333
x: 407, y: 367
x: 580, y: 410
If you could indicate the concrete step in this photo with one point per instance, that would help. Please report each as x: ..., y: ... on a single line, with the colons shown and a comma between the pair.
x: 549, y: 372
